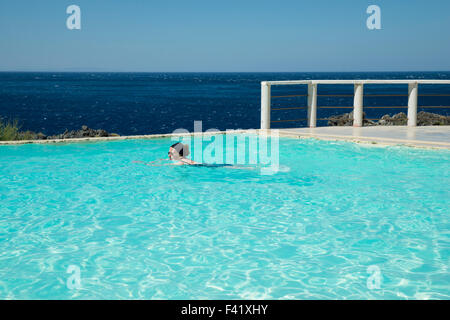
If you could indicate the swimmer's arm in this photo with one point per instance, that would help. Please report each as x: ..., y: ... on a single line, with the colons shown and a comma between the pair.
x: 151, y: 163
x: 187, y: 161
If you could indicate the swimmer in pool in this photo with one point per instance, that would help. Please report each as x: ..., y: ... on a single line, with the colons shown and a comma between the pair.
x: 178, y: 152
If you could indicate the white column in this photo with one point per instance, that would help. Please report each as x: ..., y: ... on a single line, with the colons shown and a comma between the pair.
x: 312, y: 105
x: 412, y: 104
x: 265, y: 105
x: 358, y: 105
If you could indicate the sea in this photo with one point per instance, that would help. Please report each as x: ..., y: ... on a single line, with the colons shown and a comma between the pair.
x: 151, y: 103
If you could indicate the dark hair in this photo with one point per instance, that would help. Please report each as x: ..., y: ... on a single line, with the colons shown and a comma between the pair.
x: 179, y: 147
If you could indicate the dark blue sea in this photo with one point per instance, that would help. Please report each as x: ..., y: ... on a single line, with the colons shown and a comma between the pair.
x: 146, y: 103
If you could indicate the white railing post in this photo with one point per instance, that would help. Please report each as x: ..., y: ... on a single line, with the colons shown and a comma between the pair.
x: 265, y: 105
x: 412, y: 104
x: 358, y: 105
x: 312, y: 105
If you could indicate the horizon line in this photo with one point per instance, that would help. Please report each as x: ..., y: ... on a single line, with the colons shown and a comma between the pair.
x: 92, y: 71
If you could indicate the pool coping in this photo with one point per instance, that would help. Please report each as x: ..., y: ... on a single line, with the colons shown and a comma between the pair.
x: 381, y: 141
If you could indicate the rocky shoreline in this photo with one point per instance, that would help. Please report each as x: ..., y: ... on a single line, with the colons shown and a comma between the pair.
x: 346, y: 119
x: 84, y: 132
x: 399, y: 119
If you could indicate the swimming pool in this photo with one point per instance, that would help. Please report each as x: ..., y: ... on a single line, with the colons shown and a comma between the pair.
x: 340, y: 220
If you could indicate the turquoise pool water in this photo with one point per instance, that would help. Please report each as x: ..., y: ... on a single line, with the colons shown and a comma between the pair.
x: 340, y: 220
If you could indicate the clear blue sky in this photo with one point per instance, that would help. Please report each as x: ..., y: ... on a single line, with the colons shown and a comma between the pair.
x: 227, y: 35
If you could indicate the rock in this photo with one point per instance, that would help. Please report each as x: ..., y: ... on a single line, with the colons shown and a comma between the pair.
x: 367, y: 122
x: 346, y: 119
x: 432, y: 119
x: 85, y: 132
x: 398, y: 119
x: 41, y: 136
x: 423, y: 119
x: 101, y: 133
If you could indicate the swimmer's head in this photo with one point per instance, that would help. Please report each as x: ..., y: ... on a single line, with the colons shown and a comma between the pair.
x: 178, y: 151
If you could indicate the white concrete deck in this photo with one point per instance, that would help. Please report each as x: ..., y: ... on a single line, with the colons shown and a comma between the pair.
x: 427, y: 136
